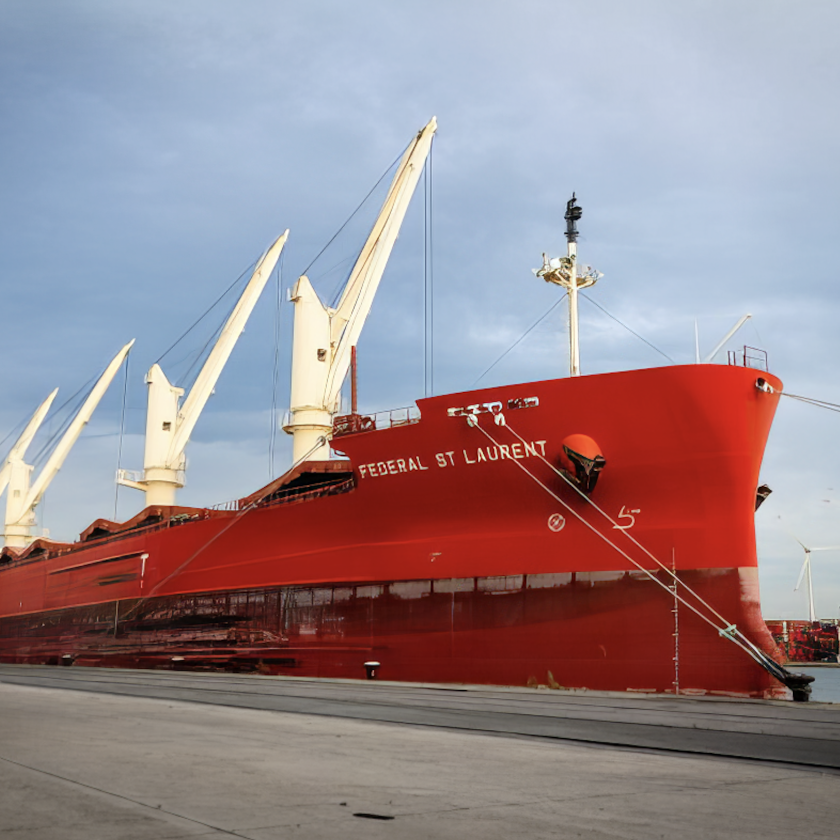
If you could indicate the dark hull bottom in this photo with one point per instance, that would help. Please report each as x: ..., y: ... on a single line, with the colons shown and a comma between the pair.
x: 605, y: 631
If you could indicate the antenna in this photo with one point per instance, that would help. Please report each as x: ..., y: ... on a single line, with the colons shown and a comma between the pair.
x: 565, y: 272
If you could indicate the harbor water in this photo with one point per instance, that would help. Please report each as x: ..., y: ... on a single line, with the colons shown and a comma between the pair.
x: 826, y: 685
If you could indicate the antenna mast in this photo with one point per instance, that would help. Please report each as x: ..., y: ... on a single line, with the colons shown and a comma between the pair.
x: 565, y: 272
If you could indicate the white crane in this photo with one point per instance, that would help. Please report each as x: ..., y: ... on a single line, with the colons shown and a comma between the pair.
x: 22, y: 494
x: 324, y: 337
x: 806, y: 570
x: 18, y: 451
x: 169, y: 423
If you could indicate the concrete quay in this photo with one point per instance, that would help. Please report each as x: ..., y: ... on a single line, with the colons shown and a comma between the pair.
x: 128, y: 754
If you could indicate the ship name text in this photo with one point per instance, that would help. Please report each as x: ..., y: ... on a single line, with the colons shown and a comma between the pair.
x: 451, y: 458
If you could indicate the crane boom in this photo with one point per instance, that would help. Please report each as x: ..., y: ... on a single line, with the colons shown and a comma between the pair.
x: 324, y: 337
x: 170, y: 424
x: 62, y: 450
x: 219, y: 355
x: 23, y: 497
x: 357, y: 299
x: 18, y: 451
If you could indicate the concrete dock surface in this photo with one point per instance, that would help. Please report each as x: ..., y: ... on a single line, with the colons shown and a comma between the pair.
x: 87, y: 753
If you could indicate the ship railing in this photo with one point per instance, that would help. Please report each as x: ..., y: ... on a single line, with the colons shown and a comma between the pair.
x: 346, y: 424
x: 288, y: 495
x: 751, y: 357
x: 139, y: 475
x: 232, y: 505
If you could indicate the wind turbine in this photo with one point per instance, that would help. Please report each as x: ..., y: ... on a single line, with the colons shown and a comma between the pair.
x: 806, y: 569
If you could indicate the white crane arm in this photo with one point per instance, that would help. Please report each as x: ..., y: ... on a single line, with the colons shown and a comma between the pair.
x: 60, y: 453
x: 216, y: 361
x: 18, y: 451
x: 348, y: 319
x: 741, y: 321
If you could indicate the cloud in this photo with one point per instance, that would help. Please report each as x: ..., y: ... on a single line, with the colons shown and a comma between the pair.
x: 152, y: 151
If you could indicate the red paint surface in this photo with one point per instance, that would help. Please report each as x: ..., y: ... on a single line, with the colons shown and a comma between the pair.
x: 683, y: 447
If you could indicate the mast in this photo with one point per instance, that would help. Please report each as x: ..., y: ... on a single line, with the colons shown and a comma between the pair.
x: 573, y: 213
x: 324, y: 337
x: 23, y: 497
x: 811, y: 611
x: 565, y: 272
x: 170, y: 424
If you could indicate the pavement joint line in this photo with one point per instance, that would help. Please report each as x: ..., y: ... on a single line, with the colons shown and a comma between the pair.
x: 383, y: 704
x: 164, y: 677
x: 309, y: 696
x: 588, y: 742
x: 159, y: 694
x: 153, y: 808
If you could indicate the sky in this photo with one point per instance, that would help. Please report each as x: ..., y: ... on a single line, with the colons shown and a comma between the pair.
x: 152, y: 150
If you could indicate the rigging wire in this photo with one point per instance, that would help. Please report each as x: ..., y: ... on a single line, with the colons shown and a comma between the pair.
x: 122, y: 434
x: 16, y: 430
x: 77, y: 400
x: 272, y: 441
x: 431, y: 264
x: 641, y: 338
x: 205, y: 314
x: 336, y: 291
x: 185, y: 380
x: 425, y: 283
x: 523, y: 336
x: 359, y: 207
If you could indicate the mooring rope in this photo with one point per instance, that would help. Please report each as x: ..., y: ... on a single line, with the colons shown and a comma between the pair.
x: 729, y: 630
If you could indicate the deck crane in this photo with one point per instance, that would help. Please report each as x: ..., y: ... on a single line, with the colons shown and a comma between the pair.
x: 18, y: 452
x: 22, y: 494
x: 323, y: 336
x: 169, y: 422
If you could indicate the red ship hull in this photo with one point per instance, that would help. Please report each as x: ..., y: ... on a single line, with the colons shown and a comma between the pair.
x: 440, y: 557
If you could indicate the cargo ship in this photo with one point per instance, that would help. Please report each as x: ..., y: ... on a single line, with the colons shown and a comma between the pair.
x: 589, y: 532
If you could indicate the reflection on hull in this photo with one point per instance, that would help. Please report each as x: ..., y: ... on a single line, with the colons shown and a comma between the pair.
x: 578, y: 630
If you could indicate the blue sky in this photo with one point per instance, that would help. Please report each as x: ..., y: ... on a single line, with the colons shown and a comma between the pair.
x: 152, y: 150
